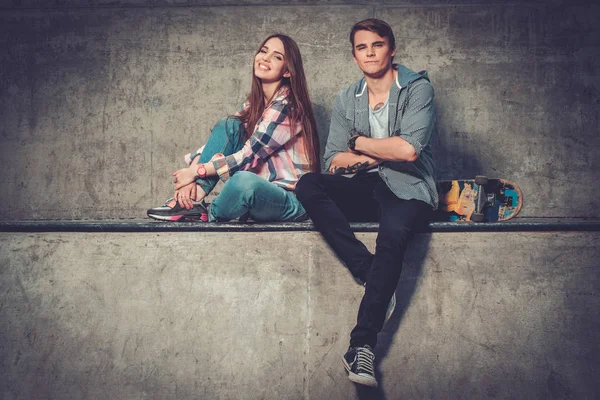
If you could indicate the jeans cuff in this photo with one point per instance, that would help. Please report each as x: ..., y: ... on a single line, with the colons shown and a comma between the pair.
x: 206, y: 184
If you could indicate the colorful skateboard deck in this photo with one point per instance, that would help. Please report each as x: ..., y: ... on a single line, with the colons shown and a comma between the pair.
x: 479, y: 200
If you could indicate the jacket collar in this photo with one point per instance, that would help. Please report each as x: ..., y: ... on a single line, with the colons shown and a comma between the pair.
x: 363, y: 83
x: 361, y: 105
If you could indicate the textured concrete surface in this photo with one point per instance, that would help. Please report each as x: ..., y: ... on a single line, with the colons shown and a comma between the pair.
x: 212, y: 316
x: 100, y: 99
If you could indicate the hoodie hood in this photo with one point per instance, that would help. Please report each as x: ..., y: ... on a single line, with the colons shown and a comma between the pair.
x: 407, y: 76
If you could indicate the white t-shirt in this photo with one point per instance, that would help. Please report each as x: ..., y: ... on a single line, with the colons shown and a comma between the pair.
x: 378, y: 120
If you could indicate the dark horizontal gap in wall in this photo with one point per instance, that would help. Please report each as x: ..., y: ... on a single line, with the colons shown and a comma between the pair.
x: 145, y: 225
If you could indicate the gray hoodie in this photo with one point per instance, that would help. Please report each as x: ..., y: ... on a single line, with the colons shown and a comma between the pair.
x: 411, y: 117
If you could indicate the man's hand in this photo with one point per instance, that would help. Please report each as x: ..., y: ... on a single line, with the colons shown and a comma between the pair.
x: 350, y: 163
x: 354, y: 168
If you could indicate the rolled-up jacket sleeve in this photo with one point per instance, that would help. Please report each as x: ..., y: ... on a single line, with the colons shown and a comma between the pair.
x: 271, y: 133
x: 419, y: 118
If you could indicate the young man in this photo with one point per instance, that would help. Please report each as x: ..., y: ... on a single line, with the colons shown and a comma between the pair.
x: 381, y: 169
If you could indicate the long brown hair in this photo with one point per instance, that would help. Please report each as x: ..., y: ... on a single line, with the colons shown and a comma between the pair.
x: 301, y: 111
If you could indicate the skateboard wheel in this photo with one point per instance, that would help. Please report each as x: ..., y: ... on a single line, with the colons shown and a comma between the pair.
x: 481, y: 180
x: 477, y: 217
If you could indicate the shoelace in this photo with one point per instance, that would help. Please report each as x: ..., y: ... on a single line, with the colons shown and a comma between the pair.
x: 364, y: 361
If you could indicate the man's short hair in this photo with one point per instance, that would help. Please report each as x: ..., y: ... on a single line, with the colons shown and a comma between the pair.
x: 374, y: 25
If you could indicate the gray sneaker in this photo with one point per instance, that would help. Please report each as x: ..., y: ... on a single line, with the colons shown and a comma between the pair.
x: 172, y: 211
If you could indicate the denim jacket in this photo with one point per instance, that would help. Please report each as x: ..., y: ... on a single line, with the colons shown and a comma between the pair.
x: 411, y: 117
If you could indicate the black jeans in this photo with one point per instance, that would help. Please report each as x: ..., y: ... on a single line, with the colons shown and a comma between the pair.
x: 332, y: 201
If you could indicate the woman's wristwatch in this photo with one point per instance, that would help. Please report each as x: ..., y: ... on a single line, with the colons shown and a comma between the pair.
x: 201, y: 171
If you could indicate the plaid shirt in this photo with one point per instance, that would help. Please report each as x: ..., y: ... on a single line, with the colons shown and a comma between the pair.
x: 273, y: 152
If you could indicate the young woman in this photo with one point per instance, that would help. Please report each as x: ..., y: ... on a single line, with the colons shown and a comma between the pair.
x: 260, y: 152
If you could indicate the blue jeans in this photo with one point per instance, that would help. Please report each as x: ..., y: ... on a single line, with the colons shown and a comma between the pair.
x: 245, y: 194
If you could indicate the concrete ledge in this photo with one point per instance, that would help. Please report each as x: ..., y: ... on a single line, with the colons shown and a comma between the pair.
x: 226, y: 315
x: 146, y: 225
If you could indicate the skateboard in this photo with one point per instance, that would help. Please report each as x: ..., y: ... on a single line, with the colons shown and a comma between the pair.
x: 479, y: 200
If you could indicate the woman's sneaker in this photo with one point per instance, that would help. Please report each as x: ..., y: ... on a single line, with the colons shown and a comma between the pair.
x: 360, y: 364
x: 172, y: 211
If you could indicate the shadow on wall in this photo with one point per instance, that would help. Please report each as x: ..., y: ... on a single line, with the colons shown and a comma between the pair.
x: 454, y: 155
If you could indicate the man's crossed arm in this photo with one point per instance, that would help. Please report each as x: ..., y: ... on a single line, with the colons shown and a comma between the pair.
x: 369, y: 152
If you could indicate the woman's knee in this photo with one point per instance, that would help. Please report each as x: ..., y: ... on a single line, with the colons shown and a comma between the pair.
x: 239, y: 192
x: 228, y: 125
x: 243, y: 184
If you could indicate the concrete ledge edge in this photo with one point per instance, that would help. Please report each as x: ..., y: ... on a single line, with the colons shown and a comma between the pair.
x: 145, y: 225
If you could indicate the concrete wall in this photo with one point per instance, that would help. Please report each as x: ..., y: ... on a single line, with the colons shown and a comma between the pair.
x: 99, y: 99
x: 157, y: 316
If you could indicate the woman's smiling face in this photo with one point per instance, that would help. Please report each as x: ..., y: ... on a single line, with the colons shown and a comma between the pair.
x: 269, y: 62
